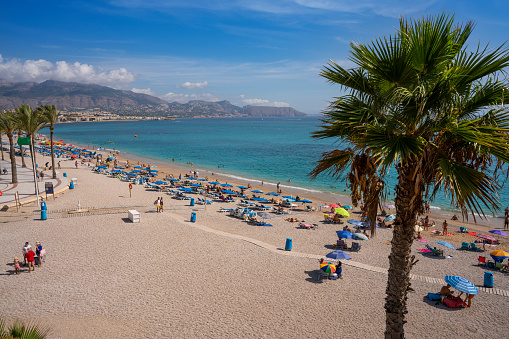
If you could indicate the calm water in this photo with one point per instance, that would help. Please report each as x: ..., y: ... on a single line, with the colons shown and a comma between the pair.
x: 268, y: 149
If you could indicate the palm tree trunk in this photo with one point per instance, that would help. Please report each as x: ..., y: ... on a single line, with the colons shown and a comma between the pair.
x: 2, y: 145
x: 22, y: 150
x: 14, y: 171
x: 52, y: 153
x: 408, y: 204
x: 34, y: 162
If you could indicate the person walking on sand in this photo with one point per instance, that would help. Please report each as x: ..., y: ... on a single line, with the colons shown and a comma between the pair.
x: 158, y: 204
x: 444, y: 227
x: 30, y: 257
x: 26, y: 248
x: 16, y: 265
x: 161, y: 205
x: 506, y: 222
x: 277, y: 187
x: 426, y: 223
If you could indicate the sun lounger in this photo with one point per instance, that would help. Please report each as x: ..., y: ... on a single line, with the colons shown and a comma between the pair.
x: 225, y: 210
x: 473, y: 247
x: 355, y: 247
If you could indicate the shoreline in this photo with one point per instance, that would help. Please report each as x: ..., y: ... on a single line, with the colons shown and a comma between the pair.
x: 318, y: 197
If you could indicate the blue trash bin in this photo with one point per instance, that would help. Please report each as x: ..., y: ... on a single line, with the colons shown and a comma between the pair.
x: 44, y: 215
x: 288, y: 245
x: 71, y: 185
x: 43, y: 206
x: 193, y: 217
x: 65, y: 175
x: 488, y: 279
x: 191, y: 203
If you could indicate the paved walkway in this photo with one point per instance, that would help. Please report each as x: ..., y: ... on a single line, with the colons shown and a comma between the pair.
x: 318, y: 257
x: 25, y: 186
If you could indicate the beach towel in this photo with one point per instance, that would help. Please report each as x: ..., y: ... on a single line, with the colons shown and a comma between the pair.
x: 386, y: 242
x: 425, y: 250
x: 454, y: 302
x: 422, y: 240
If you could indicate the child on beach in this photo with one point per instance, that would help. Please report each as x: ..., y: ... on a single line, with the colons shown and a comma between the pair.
x: 16, y: 265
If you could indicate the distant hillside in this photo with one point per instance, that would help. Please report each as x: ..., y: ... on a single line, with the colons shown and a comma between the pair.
x: 76, y: 96
x: 72, y: 95
x: 266, y: 111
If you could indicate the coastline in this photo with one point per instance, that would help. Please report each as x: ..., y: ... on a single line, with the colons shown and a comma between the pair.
x: 318, y: 197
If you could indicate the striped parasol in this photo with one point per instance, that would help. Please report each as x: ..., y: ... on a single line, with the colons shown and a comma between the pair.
x: 461, y: 284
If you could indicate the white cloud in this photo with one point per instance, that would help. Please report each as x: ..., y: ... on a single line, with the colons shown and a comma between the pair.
x: 255, y: 101
x: 15, y: 70
x: 143, y: 91
x: 193, y: 85
x: 263, y: 102
x: 183, y: 98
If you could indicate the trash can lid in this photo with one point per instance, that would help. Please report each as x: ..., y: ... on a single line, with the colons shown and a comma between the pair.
x: 488, y: 273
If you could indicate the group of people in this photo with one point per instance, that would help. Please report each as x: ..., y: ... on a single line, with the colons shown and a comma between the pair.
x: 159, y: 204
x: 445, y: 292
x: 30, y: 257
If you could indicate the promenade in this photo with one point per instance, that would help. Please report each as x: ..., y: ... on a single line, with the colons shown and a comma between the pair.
x: 25, y: 186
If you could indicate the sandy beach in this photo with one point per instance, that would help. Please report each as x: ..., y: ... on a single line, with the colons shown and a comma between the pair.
x: 105, y: 277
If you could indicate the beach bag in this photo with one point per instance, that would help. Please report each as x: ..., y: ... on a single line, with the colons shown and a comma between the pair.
x: 434, y: 296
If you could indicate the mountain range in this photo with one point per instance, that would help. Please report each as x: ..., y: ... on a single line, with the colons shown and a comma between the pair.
x: 70, y: 96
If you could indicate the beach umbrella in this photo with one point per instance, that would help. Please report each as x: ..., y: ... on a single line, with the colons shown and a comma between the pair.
x: 160, y: 182
x: 228, y: 192
x: 328, y: 267
x: 274, y: 194
x: 333, y: 205
x: 355, y: 222
x: 227, y: 185
x: 485, y: 236
x: 172, y: 179
x: 499, y: 255
x: 136, y: 171
x: 214, y: 183
x: 390, y: 217
x: 264, y: 215
x: 461, y: 284
x: 305, y: 201
x: 446, y: 244
x: 338, y: 255
x: 154, y: 170
x: 342, y: 211
x: 347, y: 207
x: 261, y: 199
x: 196, y: 185
x: 257, y: 191
x: 118, y: 167
x: 287, y: 196
x: 153, y: 166
x: 191, y: 178
x: 345, y: 234
x: 242, y: 187
x: 499, y: 232
x: 180, y: 176
x: 185, y: 189
x: 361, y: 236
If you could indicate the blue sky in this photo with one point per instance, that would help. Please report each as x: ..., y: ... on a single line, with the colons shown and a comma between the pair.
x: 259, y: 52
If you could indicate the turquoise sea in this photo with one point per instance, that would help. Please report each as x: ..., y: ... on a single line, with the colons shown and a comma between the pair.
x: 268, y: 149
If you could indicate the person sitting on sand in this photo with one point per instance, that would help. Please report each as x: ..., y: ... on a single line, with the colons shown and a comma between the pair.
x: 339, y: 270
x: 454, y: 217
x: 292, y: 219
x: 419, y: 236
x: 446, y: 291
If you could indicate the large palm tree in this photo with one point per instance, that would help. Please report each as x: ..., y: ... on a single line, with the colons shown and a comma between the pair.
x: 421, y: 102
x: 8, y: 126
x: 30, y: 121
x: 50, y: 114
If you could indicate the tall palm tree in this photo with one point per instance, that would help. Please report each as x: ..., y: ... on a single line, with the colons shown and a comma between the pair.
x: 30, y: 121
x: 50, y: 114
x: 1, y: 144
x: 22, y: 152
x: 8, y: 126
x: 421, y: 102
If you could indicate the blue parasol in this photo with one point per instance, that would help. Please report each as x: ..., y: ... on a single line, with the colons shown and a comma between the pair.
x: 345, y: 234
x: 228, y: 192
x: 242, y: 187
x: 355, y: 222
x: 274, y: 194
x: 390, y: 217
x: 338, y: 255
x: 306, y: 201
x: 499, y: 232
x: 214, y: 183
x: 347, y: 207
x: 446, y: 244
x: 461, y: 284
x: 257, y: 191
x: 227, y: 185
